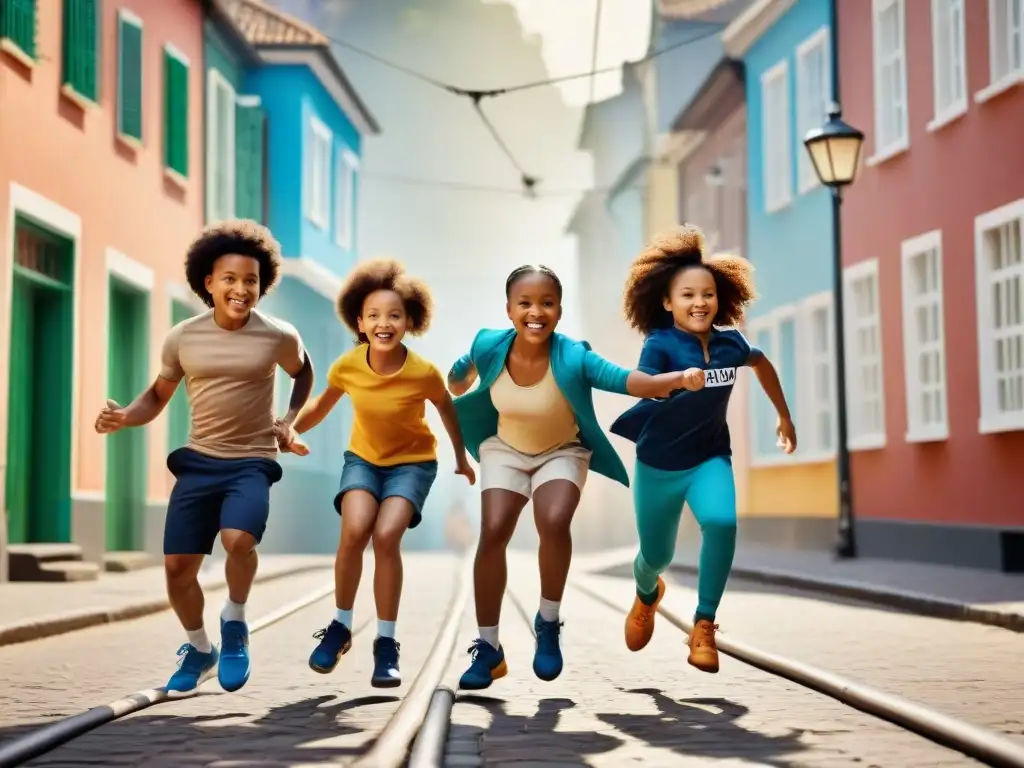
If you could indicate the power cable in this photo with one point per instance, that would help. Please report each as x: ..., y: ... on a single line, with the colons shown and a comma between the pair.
x: 593, y: 49
x: 460, y: 186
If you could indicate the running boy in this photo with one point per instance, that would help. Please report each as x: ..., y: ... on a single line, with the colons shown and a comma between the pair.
x: 676, y: 296
x: 227, y: 357
x: 531, y: 424
x: 392, y: 457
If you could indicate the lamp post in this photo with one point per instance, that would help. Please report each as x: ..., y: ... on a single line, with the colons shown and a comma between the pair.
x: 835, y: 152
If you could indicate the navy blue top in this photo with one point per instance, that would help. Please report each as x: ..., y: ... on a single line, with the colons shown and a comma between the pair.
x: 688, y: 428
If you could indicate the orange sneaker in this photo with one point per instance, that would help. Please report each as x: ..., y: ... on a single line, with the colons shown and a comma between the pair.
x: 703, y: 651
x: 640, y: 620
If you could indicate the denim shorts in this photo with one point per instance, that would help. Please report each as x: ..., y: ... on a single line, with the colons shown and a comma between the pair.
x: 407, y: 481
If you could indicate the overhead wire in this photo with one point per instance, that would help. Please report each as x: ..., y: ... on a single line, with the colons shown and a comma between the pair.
x: 593, y: 49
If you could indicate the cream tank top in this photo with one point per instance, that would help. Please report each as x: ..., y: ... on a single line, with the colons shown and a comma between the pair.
x: 534, y: 419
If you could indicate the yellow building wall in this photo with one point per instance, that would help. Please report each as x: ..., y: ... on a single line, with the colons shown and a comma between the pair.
x: 661, y: 211
x: 800, y: 490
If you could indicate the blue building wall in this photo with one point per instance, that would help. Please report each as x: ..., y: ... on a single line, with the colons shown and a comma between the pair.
x: 791, y: 248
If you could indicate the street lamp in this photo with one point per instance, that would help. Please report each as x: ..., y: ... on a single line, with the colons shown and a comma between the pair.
x: 835, y: 152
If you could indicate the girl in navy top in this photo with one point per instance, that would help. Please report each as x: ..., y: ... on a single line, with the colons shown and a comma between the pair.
x: 676, y: 297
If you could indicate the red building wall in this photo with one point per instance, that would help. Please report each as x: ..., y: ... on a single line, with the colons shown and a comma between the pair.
x: 943, y: 181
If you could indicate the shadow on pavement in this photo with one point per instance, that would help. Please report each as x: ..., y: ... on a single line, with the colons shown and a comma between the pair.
x: 285, y: 735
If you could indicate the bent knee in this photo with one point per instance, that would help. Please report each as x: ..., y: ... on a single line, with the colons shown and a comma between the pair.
x: 387, y: 542
x: 724, y: 526
x: 556, y: 526
x: 182, y: 568
x: 237, y: 543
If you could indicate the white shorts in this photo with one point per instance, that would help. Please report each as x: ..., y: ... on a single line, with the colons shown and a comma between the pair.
x: 502, y: 466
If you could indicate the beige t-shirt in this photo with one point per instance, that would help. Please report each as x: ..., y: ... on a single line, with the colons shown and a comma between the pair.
x: 533, y: 420
x: 229, y: 376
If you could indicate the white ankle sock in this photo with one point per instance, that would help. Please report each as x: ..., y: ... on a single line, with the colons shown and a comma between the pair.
x: 343, y: 617
x: 233, y: 611
x: 386, y: 628
x: 490, y: 634
x: 199, y: 640
x: 549, y: 609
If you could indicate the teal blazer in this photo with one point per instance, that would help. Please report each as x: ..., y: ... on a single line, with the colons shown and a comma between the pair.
x: 577, y: 370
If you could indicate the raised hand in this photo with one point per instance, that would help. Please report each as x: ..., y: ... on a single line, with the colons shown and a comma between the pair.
x: 111, y: 418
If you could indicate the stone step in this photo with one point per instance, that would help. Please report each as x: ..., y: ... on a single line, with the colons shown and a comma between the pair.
x: 45, y: 552
x: 68, y: 570
x: 123, y: 562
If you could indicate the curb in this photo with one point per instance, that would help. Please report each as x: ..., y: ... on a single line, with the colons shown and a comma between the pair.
x: 910, y: 602
x: 72, y: 621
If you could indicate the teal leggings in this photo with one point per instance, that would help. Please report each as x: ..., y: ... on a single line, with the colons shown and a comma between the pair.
x: 658, y: 496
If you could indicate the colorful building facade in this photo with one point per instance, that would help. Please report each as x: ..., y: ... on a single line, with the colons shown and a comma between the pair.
x: 785, y: 49
x: 935, y: 279
x: 101, y: 184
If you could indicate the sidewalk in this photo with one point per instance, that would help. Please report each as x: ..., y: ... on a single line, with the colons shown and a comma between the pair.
x: 965, y: 594
x: 32, y: 610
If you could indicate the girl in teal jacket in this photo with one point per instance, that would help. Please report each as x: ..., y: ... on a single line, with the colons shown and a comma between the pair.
x: 531, y: 425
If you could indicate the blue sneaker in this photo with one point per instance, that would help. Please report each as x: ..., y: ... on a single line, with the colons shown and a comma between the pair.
x: 487, y: 666
x: 385, y: 663
x: 335, y: 641
x: 194, y: 669
x: 547, y: 658
x: 234, y: 668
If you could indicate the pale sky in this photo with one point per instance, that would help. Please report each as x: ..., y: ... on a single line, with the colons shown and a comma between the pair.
x: 567, y: 30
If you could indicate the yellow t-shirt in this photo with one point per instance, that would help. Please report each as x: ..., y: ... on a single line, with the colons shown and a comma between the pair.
x: 389, y: 425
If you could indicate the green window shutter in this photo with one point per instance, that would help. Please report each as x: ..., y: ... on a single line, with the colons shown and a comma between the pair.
x: 175, y: 113
x: 248, y: 160
x: 129, y: 78
x: 80, y: 37
x: 18, y: 24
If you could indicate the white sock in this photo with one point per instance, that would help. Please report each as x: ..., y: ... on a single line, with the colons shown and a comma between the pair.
x: 490, y: 634
x: 343, y: 617
x: 549, y: 609
x: 233, y: 611
x: 199, y: 640
x: 386, y: 628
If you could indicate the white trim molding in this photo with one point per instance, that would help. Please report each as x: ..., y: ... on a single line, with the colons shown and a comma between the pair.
x: 776, y: 138
x: 892, y: 122
x: 999, y: 264
x: 181, y: 293
x: 864, y: 435
x: 747, y: 28
x: 130, y: 271
x: 925, y: 376
x: 313, y: 274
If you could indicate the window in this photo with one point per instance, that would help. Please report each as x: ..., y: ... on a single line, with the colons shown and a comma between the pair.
x: 318, y: 173
x: 890, y: 77
x: 220, y: 147
x: 864, y: 379
x: 776, y: 141
x: 776, y: 335
x: 129, y: 76
x: 176, y: 111
x: 18, y: 29
x: 924, y: 346
x: 80, y: 48
x: 249, y: 144
x: 813, y: 94
x: 816, y: 386
x: 949, y: 60
x: 1000, y: 283
x: 345, y: 198
x: 1005, y: 21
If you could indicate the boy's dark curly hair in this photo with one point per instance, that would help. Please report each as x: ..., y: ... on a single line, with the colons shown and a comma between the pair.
x: 244, y: 237
x: 384, y: 275
x: 650, y: 277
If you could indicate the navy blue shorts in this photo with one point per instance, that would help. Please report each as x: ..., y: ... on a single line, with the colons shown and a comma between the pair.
x: 211, y: 494
x: 408, y: 481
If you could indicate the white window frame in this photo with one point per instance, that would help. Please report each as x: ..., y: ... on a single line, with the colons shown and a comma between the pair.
x: 216, y: 81
x: 776, y: 140
x: 888, y: 146
x: 317, y: 171
x: 812, y: 448
x: 811, y: 108
x: 918, y: 431
x: 949, y: 62
x: 1004, y: 34
x: 345, y: 204
x: 860, y: 440
x: 992, y: 420
x: 772, y: 322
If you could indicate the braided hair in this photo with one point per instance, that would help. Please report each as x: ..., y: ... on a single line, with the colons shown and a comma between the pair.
x: 531, y: 269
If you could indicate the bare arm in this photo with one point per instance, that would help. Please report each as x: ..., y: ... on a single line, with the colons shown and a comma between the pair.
x: 150, y: 403
x: 316, y: 409
x: 450, y: 419
x: 640, y: 384
x: 461, y: 376
x: 302, y: 387
x: 769, y: 379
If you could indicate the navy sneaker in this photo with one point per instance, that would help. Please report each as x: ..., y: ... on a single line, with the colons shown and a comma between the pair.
x: 385, y: 663
x: 194, y: 669
x: 488, y: 664
x: 547, y: 658
x: 234, y: 668
x: 335, y: 641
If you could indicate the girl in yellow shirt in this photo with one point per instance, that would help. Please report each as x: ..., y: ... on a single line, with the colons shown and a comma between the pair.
x: 391, y: 461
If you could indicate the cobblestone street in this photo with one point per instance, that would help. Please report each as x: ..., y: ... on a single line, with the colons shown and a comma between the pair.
x: 610, y: 707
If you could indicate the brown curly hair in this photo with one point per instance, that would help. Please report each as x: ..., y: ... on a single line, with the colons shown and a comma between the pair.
x: 384, y: 275
x: 243, y: 237
x: 651, y: 274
